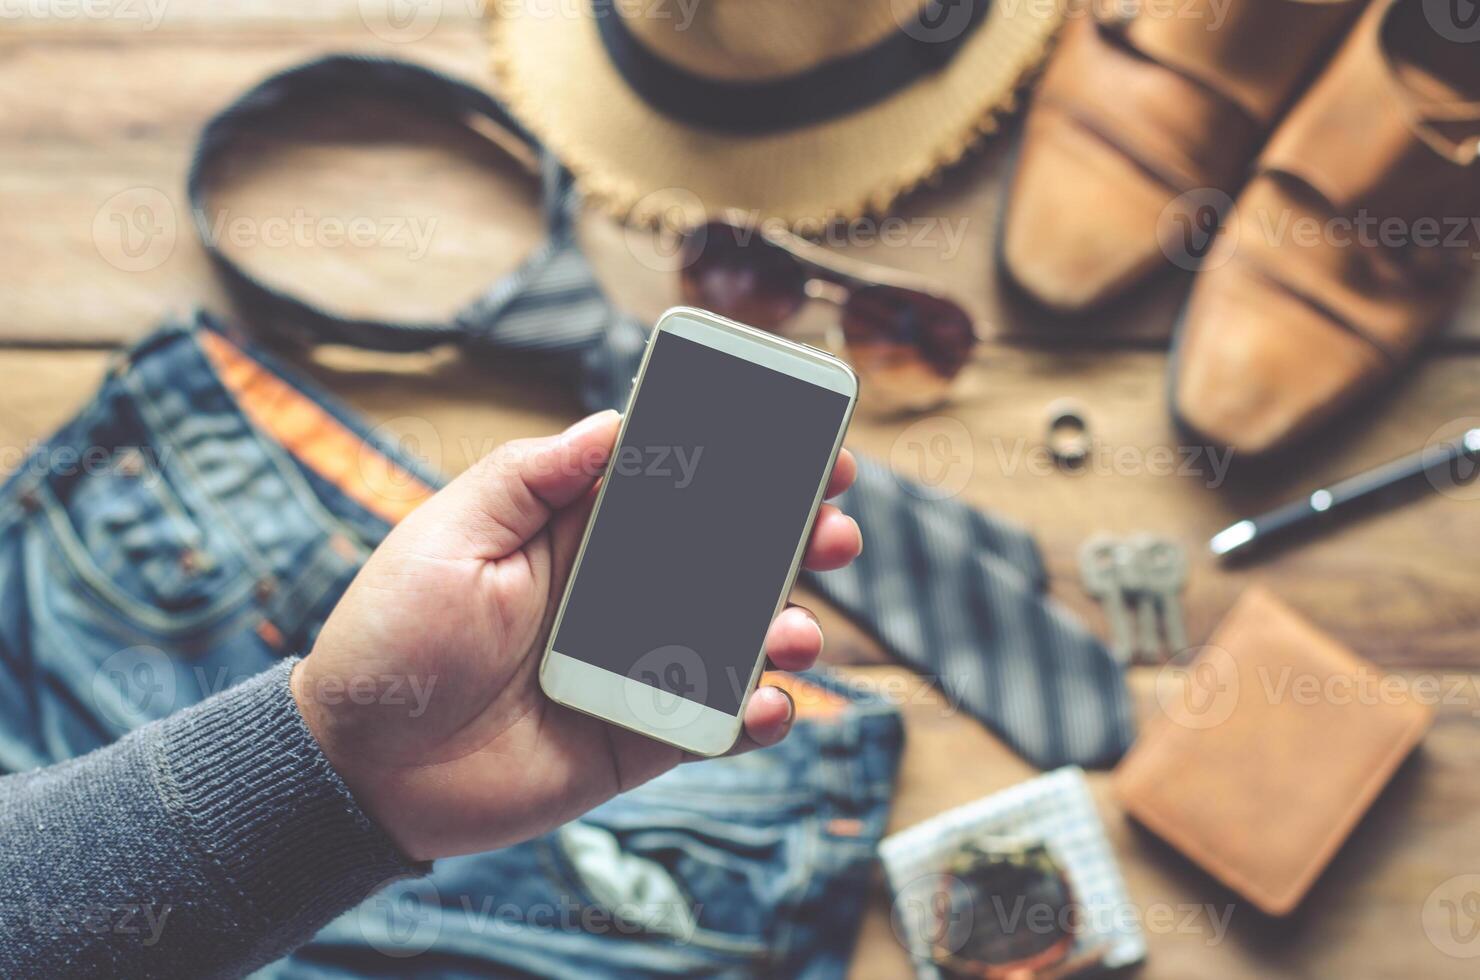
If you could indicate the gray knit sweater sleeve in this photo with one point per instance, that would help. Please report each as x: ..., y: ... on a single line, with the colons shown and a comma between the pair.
x: 205, y: 844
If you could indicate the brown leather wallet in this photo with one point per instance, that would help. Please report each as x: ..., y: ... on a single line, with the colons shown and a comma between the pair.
x: 1270, y: 744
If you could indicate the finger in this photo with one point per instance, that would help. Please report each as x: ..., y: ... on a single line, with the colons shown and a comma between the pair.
x: 845, y: 471
x: 768, y: 717
x: 558, y: 470
x: 567, y: 528
x: 794, y: 640
x: 836, y: 540
x: 509, y: 495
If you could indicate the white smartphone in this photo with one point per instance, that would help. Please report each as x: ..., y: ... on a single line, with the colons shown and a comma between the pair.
x: 699, y: 528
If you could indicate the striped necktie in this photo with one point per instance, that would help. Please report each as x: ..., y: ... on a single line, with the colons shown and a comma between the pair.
x: 957, y: 594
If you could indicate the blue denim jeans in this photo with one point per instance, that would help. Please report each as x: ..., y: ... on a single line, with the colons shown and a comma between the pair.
x: 197, y: 521
x: 756, y: 866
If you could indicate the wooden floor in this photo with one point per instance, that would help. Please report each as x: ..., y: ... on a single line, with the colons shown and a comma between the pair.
x: 98, y: 122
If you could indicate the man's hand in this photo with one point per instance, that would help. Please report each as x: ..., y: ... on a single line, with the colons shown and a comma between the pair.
x: 423, y: 687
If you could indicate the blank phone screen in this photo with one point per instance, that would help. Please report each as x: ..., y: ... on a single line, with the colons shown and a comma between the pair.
x: 706, y: 500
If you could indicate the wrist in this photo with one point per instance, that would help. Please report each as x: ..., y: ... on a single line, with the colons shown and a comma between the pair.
x: 310, y: 710
x: 263, y: 801
x: 362, y: 781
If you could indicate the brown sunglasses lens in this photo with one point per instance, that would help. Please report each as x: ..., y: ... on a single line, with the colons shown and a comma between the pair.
x: 735, y: 272
x: 909, y: 343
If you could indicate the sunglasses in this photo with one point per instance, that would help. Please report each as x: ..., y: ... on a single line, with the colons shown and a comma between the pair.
x: 906, y: 342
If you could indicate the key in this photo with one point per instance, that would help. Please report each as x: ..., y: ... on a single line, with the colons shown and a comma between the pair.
x: 1099, y: 570
x: 1134, y: 576
x: 1165, y: 567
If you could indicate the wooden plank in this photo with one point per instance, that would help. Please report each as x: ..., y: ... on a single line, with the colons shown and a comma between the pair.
x: 103, y: 121
x: 385, y: 19
x: 1370, y: 915
x: 101, y: 94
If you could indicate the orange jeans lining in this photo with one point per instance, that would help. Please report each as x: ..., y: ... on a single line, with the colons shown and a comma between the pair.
x: 319, y: 440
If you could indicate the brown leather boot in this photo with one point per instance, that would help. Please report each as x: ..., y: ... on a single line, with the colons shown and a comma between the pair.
x: 1351, y: 243
x: 1131, y: 114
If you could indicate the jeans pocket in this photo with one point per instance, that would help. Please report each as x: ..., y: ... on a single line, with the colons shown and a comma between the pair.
x: 130, y: 541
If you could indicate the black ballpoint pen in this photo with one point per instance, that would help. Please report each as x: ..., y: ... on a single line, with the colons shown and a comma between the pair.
x: 1428, y: 463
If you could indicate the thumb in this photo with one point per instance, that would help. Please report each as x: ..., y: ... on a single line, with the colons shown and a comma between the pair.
x: 508, y: 496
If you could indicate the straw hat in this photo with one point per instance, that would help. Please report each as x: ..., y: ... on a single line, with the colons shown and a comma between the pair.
x: 805, y: 110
